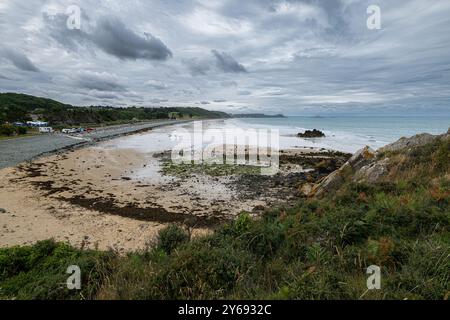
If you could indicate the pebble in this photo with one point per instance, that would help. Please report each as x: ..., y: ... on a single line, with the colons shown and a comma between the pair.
x: 2, y: 210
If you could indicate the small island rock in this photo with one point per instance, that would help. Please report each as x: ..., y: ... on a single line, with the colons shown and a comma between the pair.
x: 311, y: 134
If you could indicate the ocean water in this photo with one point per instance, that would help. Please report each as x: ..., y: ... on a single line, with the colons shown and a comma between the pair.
x: 349, y: 133
x: 343, y: 133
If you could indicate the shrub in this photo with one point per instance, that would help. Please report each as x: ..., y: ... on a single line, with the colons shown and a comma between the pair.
x: 172, y: 237
x: 263, y: 239
x: 7, y: 130
x: 200, y: 271
x: 39, y: 272
x: 22, y: 130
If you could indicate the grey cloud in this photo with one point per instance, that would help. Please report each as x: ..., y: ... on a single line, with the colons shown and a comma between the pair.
x: 100, y: 81
x: 227, y: 63
x: 156, y: 84
x: 220, y: 100
x: 113, y: 37
x: 228, y: 84
x: 109, y: 34
x: 20, y: 60
x: 105, y: 95
x: 300, y: 57
x: 6, y: 78
x: 157, y: 101
x: 71, y: 39
x: 197, y: 67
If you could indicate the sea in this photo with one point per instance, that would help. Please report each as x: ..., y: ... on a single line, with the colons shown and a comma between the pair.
x: 346, y: 133
x: 349, y: 133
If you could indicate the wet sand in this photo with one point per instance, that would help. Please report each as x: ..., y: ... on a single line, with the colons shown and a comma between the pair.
x: 114, y: 198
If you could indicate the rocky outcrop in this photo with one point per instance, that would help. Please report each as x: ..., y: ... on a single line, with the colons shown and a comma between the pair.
x: 311, y: 134
x: 369, y: 166
x: 332, y: 182
x: 372, y: 172
x: 305, y: 189
x: 407, y: 143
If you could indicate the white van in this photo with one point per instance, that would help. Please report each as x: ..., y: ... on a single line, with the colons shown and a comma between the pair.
x: 45, y: 130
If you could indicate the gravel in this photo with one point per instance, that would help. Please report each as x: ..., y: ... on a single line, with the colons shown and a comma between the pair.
x: 16, y: 151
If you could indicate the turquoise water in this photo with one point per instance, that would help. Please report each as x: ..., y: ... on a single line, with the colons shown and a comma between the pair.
x: 350, y: 133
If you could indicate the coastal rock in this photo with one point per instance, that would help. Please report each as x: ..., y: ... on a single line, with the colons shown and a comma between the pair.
x: 330, y: 183
x: 361, y: 158
x: 327, y: 166
x: 403, y: 143
x: 372, y: 172
x: 311, y: 134
x: 445, y: 135
x: 333, y: 181
x: 365, y: 166
x: 306, y: 189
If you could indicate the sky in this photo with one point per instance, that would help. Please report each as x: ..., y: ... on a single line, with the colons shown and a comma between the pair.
x: 266, y: 56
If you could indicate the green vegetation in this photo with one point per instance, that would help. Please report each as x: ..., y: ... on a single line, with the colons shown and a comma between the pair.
x: 172, y: 237
x: 185, y: 170
x: 39, y: 272
x: 20, y: 107
x: 319, y: 249
x: 10, y: 130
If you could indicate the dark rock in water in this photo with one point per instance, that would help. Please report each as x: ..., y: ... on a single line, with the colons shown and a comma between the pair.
x: 311, y: 134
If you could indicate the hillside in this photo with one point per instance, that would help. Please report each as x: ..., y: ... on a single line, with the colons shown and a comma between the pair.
x: 389, y: 208
x: 19, y: 107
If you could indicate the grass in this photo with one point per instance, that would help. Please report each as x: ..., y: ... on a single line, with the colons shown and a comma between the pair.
x: 27, y: 132
x: 31, y: 134
x: 186, y: 170
x: 319, y: 249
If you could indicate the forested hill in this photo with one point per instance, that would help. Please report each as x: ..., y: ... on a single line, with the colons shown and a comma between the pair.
x: 20, y: 107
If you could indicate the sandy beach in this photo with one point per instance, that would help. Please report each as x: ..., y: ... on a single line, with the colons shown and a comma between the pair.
x: 108, y: 197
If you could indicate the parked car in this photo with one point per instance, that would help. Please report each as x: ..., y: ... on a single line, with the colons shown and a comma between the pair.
x: 69, y: 131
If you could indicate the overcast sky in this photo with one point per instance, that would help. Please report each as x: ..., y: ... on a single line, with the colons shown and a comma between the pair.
x: 294, y: 57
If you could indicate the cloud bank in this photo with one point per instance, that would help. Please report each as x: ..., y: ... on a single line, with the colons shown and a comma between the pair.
x: 272, y: 56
